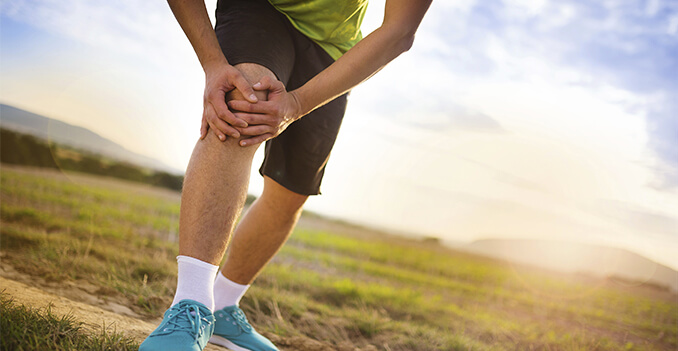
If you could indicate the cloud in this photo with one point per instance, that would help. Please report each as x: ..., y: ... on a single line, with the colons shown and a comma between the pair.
x: 441, y: 116
x: 143, y: 30
x: 622, y: 46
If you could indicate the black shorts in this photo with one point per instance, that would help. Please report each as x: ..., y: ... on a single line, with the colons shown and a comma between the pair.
x: 253, y: 31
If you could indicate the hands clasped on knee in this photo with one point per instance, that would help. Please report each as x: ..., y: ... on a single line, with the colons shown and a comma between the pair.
x: 251, y: 119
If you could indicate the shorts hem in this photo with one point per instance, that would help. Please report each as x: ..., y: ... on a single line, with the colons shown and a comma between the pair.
x: 292, y: 187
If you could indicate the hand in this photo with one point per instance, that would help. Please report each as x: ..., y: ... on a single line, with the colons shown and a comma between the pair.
x: 219, y: 80
x: 267, y: 119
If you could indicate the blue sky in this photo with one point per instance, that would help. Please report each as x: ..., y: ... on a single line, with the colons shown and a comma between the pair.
x: 507, y: 119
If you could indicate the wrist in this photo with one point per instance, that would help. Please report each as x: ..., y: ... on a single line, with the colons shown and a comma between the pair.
x: 213, y: 63
x: 298, y: 110
x: 301, y: 103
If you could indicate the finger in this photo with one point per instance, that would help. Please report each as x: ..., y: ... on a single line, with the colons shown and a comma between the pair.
x: 244, y: 87
x: 253, y: 119
x: 216, y: 131
x: 255, y: 140
x: 268, y: 83
x: 267, y: 107
x: 226, y: 115
x: 263, y: 84
x: 208, y: 116
x: 223, y: 128
x: 217, y: 100
x: 255, y: 130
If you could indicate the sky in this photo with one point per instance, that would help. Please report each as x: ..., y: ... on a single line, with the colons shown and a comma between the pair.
x: 507, y: 119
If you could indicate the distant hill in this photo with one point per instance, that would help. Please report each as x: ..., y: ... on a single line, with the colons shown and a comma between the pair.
x: 578, y: 258
x: 78, y: 137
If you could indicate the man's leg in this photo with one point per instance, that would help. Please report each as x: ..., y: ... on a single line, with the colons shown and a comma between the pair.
x: 215, y: 187
x: 263, y: 230
x: 258, y: 237
x: 213, y: 195
x: 214, y: 191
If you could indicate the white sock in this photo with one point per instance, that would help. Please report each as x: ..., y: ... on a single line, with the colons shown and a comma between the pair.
x: 227, y: 292
x: 195, y: 281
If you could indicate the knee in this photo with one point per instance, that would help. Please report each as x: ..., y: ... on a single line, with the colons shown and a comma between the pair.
x: 281, y: 198
x: 288, y: 203
x: 295, y: 202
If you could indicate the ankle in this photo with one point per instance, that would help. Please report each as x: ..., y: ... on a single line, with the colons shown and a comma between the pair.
x: 195, y: 281
x: 227, y: 292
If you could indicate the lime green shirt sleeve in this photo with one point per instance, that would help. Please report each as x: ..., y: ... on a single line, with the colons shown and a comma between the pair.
x: 332, y: 24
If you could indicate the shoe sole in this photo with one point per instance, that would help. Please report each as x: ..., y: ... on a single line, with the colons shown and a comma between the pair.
x: 218, y: 340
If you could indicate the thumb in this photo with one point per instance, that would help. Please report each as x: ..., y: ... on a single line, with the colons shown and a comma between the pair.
x: 245, y: 89
x: 263, y: 84
x: 271, y: 84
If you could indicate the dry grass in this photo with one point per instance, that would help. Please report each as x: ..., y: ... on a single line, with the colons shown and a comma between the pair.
x: 344, y: 290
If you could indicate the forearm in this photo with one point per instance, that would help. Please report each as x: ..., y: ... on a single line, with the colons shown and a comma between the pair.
x: 220, y: 77
x: 365, y: 59
x: 193, y: 19
x: 358, y: 64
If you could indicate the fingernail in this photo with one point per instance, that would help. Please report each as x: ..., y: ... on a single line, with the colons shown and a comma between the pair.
x: 222, y: 137
x: 253, y: 97
x: 257, y: 85
x: 242, y: 143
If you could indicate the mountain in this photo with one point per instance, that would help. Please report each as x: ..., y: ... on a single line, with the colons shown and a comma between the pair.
x: 578, y: 258
x: 78, y: 137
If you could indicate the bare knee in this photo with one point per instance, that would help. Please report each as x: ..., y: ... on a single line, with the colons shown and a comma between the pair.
x: 281, y: 198
x: 227, y: 152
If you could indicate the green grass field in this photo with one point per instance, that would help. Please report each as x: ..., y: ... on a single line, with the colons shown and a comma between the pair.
x: 393, y: 293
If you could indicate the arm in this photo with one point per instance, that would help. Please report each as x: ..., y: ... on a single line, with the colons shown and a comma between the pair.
x: 220, y: 77
x: 393, y: 37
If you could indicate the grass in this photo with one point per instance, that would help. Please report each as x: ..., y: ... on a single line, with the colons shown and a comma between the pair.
x: 393, y: 293
x: 25, y: 328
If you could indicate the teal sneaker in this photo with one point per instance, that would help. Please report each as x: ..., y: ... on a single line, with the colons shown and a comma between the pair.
x: 186, y: 327
x: 233, y: 331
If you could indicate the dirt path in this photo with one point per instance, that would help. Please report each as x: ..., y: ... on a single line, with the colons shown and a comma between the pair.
x: 93, y: 318
x: 97, y: 313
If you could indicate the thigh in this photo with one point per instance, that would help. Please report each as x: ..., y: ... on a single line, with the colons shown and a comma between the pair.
x: 253, y: 31
x: 255, y: 37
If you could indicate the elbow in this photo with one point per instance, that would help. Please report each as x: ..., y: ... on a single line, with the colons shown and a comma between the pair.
x: 405, y: 43
x: 403, y: 38
x: 398, y: 39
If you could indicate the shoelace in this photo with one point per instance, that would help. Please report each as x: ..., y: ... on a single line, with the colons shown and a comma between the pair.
x: 190, y: 314
x: 240, y: 318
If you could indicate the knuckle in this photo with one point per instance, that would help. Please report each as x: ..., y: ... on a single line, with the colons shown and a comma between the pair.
x: 232, y: 72
x: 211, y: 96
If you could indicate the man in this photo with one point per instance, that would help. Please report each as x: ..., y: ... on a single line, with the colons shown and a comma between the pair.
x: 276, y: 70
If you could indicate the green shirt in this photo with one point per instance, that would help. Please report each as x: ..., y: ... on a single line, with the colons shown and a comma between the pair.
x: 333, y: 24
